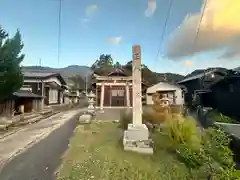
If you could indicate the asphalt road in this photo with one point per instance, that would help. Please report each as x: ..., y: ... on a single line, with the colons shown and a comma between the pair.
x: 42, y: 160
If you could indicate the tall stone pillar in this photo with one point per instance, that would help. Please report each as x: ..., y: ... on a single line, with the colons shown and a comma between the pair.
x: 137, y: 85
x: 102, y: 97
x: 136, y: 137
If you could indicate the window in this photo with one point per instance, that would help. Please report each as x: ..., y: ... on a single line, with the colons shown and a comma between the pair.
x: 114, y: 92
x: 117, y: 92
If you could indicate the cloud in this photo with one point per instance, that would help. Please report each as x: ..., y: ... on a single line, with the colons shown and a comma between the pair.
x: 220, y: 28
x: 152, y: 5
x: 90, y: 10
x: 114, y: 40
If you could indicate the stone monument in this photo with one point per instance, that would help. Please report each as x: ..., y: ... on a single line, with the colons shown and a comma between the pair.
x: 91, y: 101
x: 90, y: 114
x: 136, y: 137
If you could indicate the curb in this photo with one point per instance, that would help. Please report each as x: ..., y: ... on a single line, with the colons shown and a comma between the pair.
x: 11, y: 133
x: 20, y: 127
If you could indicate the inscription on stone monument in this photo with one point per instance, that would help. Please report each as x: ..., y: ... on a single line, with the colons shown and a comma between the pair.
x: 137, y: 85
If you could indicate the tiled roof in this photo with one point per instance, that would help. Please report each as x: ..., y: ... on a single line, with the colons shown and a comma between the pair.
x: 196, y: 76
x: 41, y: 74
x: 26, y: 94
x: 38, y: 74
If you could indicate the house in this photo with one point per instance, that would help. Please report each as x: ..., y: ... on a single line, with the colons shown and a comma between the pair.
x: 173, y: 92
x: 200, y: 82
x: 49, y: 85
x: 224, y: 95
x: 22, y: 98
x: 113, y: 88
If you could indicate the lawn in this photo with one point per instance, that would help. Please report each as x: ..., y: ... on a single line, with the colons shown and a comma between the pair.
x: 95, y: 152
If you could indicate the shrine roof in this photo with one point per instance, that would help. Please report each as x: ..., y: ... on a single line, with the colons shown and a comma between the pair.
x: 113, y: 71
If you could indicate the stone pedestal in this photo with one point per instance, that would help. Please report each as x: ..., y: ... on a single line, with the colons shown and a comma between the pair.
x: 136, y: 138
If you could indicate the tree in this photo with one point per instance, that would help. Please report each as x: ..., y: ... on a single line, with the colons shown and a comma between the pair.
x: 11, y: 78
x: 117, y: 65
x: 104, y: 61
x: 77, y: 82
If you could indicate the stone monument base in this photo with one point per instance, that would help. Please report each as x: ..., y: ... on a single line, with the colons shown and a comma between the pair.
x: 136, y: 139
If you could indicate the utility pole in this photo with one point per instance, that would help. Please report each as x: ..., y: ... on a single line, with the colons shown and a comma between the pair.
x: 40, y: 62
x: 86, y: 84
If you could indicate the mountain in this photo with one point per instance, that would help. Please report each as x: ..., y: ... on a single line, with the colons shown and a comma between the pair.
x: 65, y: 72
x: 70, y: 71
x: 237, y: 69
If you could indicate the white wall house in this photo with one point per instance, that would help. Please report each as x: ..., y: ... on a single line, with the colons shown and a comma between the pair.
x: 172, y: 91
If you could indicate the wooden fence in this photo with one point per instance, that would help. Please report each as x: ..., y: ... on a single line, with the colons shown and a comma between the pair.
x: 7, y: 108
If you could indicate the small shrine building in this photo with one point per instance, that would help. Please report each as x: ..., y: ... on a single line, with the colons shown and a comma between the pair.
x: 113, y: 88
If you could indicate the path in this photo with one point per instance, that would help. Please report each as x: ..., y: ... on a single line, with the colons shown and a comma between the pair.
x: 38, y: 146
x: 111, y: 114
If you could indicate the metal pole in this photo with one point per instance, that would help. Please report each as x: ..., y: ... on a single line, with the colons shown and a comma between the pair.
x: 86, y: 84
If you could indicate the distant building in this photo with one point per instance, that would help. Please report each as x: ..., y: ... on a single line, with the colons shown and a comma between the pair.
x: 173, y: 92
x: 224, y: 96
x: 200, y: 82
x: 49, y: 85
x: 113, y: 88
x: 217, y: 89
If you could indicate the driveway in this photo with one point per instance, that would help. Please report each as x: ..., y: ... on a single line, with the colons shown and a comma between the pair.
x: 34, y: 152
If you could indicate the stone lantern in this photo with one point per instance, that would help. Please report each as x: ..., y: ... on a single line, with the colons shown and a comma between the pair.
x: 91, y: 102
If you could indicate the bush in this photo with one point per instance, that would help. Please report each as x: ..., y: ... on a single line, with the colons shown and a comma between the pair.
x: 207, y: 153
x: 181, y: 131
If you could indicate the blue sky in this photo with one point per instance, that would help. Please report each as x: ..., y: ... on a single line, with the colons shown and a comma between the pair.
x: 94, y: 27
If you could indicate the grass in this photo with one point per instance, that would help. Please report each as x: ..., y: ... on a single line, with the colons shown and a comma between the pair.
x: 218, y: 117
x: 95, y: 152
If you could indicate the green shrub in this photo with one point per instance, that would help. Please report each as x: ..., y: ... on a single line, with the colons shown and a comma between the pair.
x: 219, y: 157
x: 207, y: 154
x: 181, y: 131
x: 192, y: 157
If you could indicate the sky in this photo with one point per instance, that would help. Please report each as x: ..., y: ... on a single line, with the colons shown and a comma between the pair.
x: 90, y: 28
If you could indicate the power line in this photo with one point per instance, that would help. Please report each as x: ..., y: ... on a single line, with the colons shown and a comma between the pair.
x: 164, y: 29
x: 199, y: 24
x: 59, y: 30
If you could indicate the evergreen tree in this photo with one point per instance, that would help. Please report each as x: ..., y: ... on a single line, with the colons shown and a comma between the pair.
x: 11, y: 78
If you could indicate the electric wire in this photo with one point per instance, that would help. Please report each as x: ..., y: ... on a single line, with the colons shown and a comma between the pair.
x: 199, y: 24
x: 198, y: 33
x: 59, y: 31
x: 164, y: 29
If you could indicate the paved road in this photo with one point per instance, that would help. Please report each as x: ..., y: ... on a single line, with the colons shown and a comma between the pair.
x: 40, y: 161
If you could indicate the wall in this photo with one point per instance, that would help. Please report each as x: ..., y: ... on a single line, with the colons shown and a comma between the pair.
x: 226, y: 98
x: 191, y: 86
x: 36, y: 87
x: 53, y: 96
x: 162, y: 86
